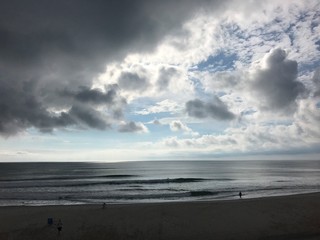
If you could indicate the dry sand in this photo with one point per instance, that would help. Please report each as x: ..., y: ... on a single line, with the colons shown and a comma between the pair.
x: 287, y: 217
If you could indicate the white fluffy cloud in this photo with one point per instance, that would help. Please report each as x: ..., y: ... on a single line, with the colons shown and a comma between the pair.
x: 307, y: 119
x: 177, y: 126
x: 165, y: 106
x: 149, y: 80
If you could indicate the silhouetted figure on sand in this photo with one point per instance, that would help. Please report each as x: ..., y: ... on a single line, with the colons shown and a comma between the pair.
x: 59, y: 226
x: 240, y: 195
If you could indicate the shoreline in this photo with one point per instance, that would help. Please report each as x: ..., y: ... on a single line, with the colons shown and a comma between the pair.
x: 280, y: 217
x: 236, y: 198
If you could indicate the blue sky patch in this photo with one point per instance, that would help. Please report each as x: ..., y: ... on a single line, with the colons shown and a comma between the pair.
x: 304, y: 68
x: 221, y: 62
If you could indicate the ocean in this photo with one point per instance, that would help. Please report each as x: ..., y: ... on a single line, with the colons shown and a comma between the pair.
x: 153, y: 181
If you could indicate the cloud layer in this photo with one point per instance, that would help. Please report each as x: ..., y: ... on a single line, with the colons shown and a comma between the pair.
x: 52, y: 48
x: 212, y: 77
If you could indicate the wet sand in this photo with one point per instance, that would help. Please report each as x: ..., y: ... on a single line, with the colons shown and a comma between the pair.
x: 286, y: 217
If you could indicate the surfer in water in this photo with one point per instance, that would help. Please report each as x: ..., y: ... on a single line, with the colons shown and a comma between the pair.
x: 240, y: 195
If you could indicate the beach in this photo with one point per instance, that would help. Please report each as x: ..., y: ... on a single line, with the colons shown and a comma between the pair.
x: 284, y: 217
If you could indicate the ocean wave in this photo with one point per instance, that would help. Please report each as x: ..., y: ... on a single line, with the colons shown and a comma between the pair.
x: 144, y: 181
x: 69, y: 178
x: 202, y: 193
x: 160, y: 196
x: 142, y: 196
x: 112, y: 182
x: 223, y: 179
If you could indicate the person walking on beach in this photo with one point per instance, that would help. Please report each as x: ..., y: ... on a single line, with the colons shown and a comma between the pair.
x: 240, y: 195
x: 59, y: 226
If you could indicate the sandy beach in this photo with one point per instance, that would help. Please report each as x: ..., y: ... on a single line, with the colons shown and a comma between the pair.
x: 286, y: 217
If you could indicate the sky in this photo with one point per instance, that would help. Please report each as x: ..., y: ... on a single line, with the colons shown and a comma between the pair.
x: 159, y: 80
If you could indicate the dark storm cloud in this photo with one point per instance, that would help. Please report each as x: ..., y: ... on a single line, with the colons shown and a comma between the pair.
x: 47, y: 47
x: 20, y: 109
x: 91, y: 97
x: 88, y: 117
x: 276, y: 86
x: 131, y: 127
x: 132, y: 82
x: 94, y: 96
x: 215, y: 109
